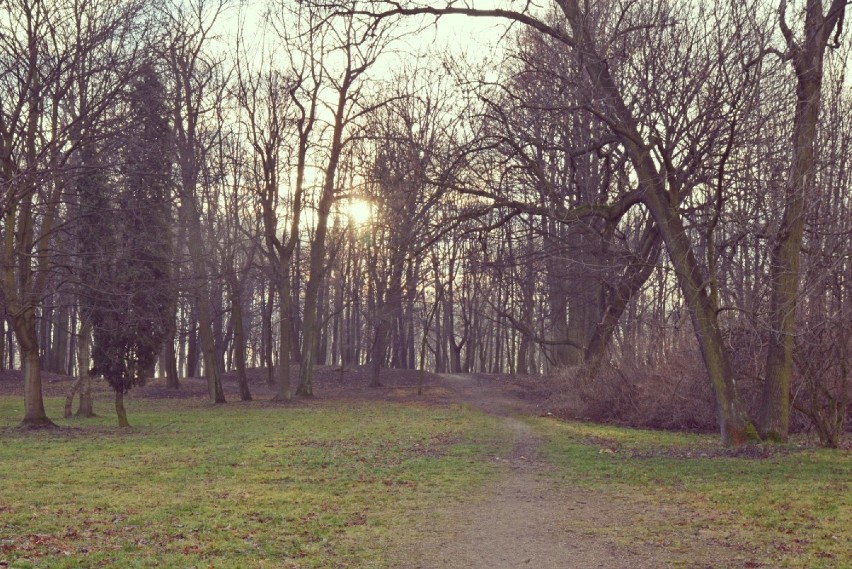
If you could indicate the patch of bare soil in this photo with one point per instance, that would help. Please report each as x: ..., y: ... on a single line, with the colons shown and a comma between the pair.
x: 528, y: 520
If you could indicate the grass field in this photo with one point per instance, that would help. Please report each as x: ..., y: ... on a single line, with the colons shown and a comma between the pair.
x: 235, y: 486
x: 787, y: 506
x: 342, y: 483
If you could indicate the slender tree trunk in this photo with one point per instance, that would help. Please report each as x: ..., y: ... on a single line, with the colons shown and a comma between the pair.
x: 240, y: 346
x: 189, y: 211
x: 170, y: 361
x: 285, y: 331
x: 808, y: 62
x: 192, y: 341
x: 266, y: 330
x: 84, y: 357
x: 69, y: 397
x: 120, y: 410
x: 218, y: 325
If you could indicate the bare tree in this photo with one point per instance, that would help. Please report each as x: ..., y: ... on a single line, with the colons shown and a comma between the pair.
x: 48, y: 50
x: 195, y: 82
x: 822, y: 28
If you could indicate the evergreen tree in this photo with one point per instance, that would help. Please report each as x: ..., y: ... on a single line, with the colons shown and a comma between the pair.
x: 135, y: 292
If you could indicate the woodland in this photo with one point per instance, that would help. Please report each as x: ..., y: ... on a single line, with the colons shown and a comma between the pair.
x: 643, y: 202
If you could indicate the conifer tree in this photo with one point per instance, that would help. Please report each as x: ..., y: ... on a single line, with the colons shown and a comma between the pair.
x: 134, y: 293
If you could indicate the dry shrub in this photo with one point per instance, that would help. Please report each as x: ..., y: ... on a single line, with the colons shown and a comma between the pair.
x: 675, y: 395
x: 675, y: 392
x: 822, y: 387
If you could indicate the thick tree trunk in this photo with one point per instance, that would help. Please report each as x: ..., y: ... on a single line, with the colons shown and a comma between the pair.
x: 24, y: 325
x: 734, y: 424
x: 310, y: 325
x: 561, y: 352
x: 208, y: 349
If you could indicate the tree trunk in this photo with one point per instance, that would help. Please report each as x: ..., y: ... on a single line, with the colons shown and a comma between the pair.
x: 120, y: 410
x: 628, y: 286
x: 84, y: 356
x: 317, y: 265
x: 380, y: 346
x: 808, y: 62
x: 190, y: 214
x: 562, y: 353
x: 170, y: 361
x: 192, y: 343
x: 69, y: 398
x: 266, y: 339
x: 24, y: 325
x: 735, y: 426
x: 3, y: 344
x: 285, y: 331
x: 240, y: 347
x: 208, y: 348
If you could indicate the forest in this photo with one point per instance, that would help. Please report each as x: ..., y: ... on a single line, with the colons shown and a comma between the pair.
x: 644, y: 201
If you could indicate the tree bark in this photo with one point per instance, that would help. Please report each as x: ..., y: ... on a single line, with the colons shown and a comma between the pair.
x: 317, y: 265
x: 24, y: 325
x: 808, y: 62
x: 170, y: 361
x: 120, y: 410
x: 84, y: 357
x: 285, y: 332
x: 628, y: 286
x: 69, y: 398
x: 189, y: 211
x: 240, y: 347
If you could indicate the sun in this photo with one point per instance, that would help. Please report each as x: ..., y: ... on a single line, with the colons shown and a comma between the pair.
x: 359, y: 211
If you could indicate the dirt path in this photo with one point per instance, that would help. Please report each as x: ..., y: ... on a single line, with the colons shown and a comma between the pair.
x: 527, y: 520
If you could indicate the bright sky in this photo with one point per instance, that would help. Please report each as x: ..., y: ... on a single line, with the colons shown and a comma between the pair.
x: 475, y: 38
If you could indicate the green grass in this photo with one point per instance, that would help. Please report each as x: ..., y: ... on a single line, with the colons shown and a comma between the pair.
x: 242, y: 485
x: 788, y: 506
x: 339, y: 484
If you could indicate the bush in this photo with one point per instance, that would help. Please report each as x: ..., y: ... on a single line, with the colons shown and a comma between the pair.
x: 675, y: 395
